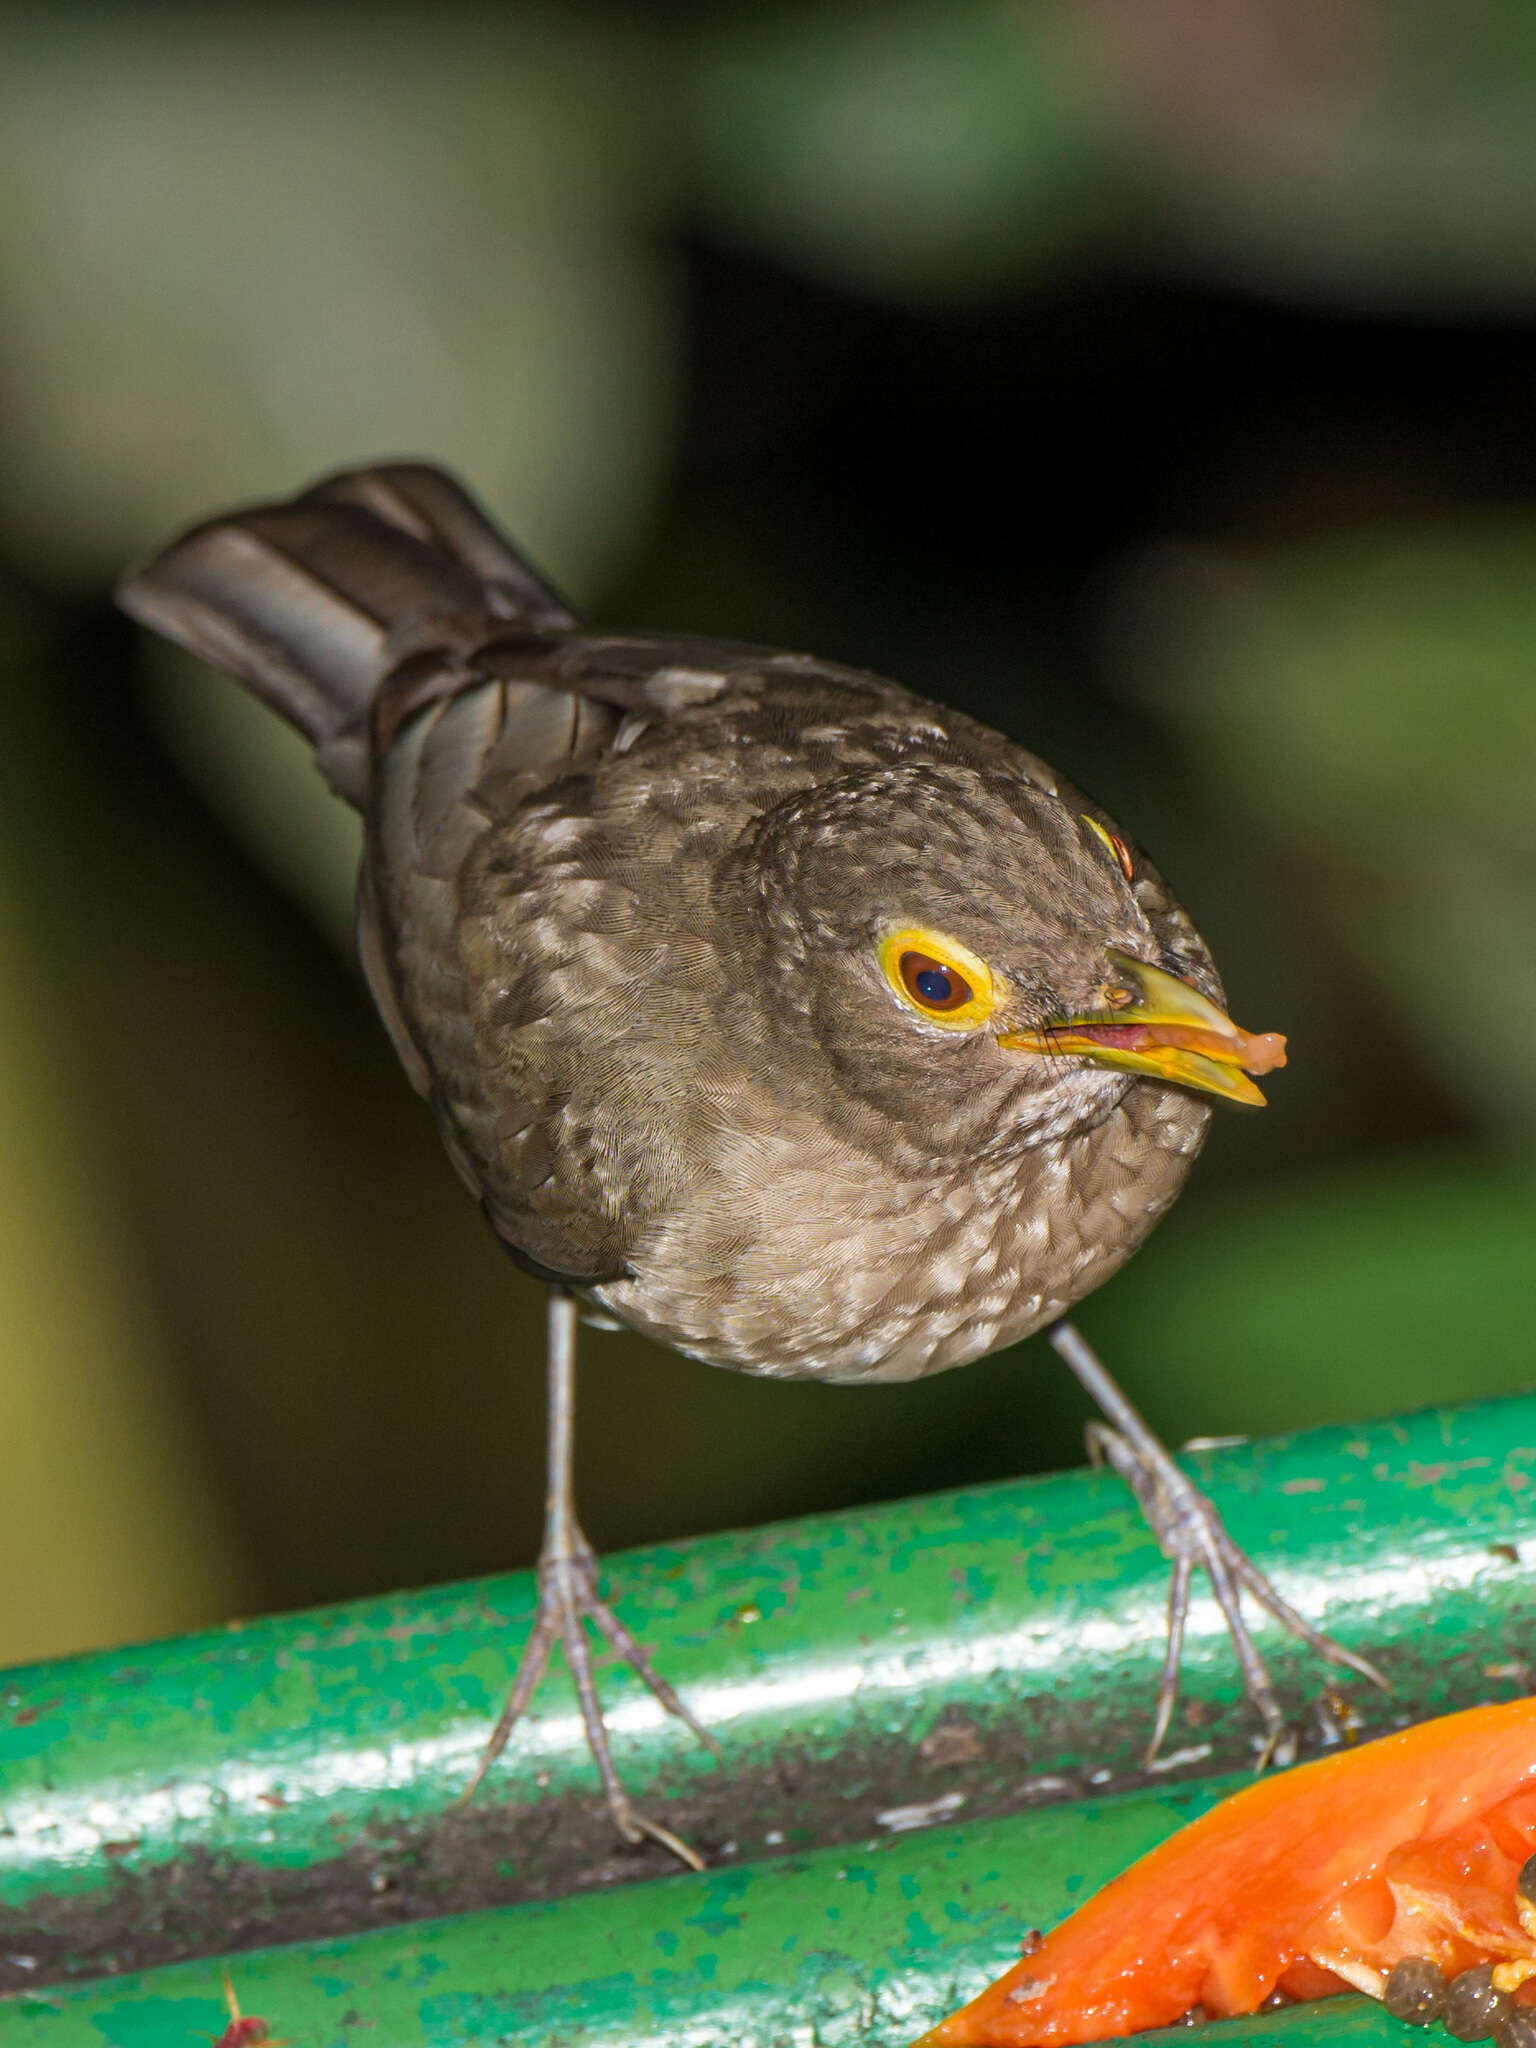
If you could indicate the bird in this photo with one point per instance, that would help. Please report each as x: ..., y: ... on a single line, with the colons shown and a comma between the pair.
x: 805, y: 1025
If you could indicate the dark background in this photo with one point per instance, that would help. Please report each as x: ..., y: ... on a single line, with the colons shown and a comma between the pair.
x: 1154, y: 380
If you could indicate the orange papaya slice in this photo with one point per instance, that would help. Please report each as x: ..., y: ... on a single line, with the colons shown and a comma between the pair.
x: 1319, y: 1879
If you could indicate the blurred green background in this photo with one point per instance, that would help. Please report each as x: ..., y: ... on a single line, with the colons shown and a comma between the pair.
x: 1156, y: 379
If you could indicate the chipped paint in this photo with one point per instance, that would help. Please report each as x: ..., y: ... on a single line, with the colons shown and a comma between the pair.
x: 298, y: 1779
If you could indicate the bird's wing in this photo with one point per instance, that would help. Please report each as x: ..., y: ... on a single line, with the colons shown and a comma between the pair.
x: 452, y: 770
x: 507, y: 742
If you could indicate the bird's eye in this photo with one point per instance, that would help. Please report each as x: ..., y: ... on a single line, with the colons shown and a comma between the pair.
x: 938, y: 977
x: 1114, y: 842
x: 934, y: 984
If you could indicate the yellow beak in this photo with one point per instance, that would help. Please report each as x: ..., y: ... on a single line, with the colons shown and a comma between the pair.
x: 1169, y: 1030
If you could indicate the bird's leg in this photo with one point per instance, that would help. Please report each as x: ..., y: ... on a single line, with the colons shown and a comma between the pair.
x: 568, y: 1596
x: 1191, y: 1536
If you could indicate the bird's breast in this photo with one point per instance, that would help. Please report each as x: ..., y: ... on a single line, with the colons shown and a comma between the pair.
x: 799, y: 1262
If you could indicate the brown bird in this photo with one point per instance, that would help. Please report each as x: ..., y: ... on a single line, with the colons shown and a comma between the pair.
x: 810, y: 1027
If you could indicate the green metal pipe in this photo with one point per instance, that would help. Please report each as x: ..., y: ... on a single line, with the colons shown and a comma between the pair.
x: 960, y: 1656
x: 865, y: 1946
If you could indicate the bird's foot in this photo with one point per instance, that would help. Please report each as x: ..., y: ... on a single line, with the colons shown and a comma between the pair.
x: 568, y: 1596
x: 1191, y: 1535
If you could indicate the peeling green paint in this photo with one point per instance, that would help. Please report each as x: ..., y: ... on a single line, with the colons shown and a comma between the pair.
x: 958, y: 1659
x: 791, y: 1970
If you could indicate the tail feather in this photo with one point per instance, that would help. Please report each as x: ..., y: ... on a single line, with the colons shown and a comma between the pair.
x: 308, y: 601
x: 427, y: 503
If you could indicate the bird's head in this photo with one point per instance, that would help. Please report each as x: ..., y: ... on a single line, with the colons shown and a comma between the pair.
x: 974, y: 956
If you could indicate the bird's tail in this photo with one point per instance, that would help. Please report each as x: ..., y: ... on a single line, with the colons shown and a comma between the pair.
x: 310, y: 601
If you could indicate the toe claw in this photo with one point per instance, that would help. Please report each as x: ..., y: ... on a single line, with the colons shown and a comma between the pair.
x: 569, y: 1596
x: 1191, y: 1535
x: 638, y: 1828
x: 1278, y: 1746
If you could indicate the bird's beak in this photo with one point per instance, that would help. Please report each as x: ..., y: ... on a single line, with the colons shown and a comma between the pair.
x: 1168, y: 1030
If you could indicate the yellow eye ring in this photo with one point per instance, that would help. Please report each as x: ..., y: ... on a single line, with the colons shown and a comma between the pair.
x: 1114, y: 842
x: 939, y: 978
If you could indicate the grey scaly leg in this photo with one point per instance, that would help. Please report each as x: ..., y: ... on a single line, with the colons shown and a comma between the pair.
x: 568, y: 1596
x: 1191, y: 1536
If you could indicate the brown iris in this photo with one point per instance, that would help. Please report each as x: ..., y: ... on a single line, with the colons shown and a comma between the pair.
x: 934, y: 984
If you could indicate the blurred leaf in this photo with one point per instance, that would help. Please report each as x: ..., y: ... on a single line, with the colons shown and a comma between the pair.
x: 1369, y: 697
x: 260, y: 775
x: 1380, y: 155
x: 1360, y: 1292
x: 242, y: 248
x: 108, y: 1527
x: 918, y: 148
